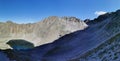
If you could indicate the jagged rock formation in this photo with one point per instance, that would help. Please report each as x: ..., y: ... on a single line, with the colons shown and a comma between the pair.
x: 89, y: 44
x: 39, y: 33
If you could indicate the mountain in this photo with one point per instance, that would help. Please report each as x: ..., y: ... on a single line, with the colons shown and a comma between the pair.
x: 109, y: 50
x: 39, y: 33
x: 76, y: 44
x: 100, y: 41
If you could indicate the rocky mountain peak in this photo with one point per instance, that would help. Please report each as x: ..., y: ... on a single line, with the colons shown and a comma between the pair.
x: 74, y: 19
x: 42, y: 32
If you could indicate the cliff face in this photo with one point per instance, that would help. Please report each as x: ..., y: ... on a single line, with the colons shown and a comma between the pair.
x: 39, y: 33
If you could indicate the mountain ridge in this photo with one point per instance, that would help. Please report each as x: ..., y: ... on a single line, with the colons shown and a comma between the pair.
x: 42, y: 32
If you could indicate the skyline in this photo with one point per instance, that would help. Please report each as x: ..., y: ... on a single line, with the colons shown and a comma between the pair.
x: 25, y: 11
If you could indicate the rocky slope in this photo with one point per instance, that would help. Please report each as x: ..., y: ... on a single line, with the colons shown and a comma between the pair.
x: 39, y: 33
x: 3, y: 57
x: 108, y: 51
x: 82, y: 41
x: 100, y: 41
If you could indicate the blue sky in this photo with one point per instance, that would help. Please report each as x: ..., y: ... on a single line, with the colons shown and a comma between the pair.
x: 24, y: 11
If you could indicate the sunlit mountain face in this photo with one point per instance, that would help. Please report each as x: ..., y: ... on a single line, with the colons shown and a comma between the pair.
x: 42, y: 32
